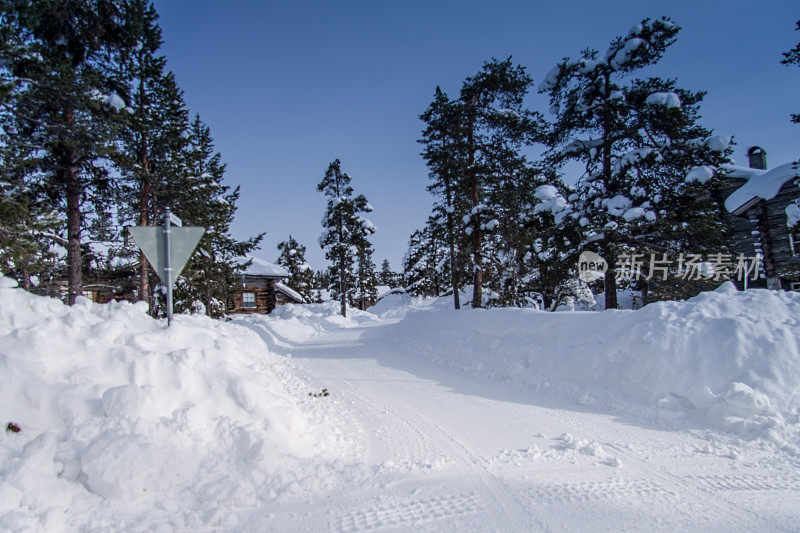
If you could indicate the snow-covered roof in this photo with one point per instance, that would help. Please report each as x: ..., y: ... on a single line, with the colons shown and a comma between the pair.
x: 289, y: 292
x: 385, y: 290
x: 380, y: 289
x: 760, y: 183
x: 259, y: 267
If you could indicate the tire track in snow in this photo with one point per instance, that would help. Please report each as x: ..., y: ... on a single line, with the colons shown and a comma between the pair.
x: 412, y: 512
x: 504, y: 506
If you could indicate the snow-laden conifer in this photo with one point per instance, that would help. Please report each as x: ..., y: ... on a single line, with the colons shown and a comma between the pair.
x: 293, y: 259
x: 345, y: 231
x: 646, y: 157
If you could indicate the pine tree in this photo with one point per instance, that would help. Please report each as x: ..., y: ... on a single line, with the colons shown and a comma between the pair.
x: 345, y: 230
x: 293, y: 259
x: 442, y: 139
x: 387, y: 275
x: 201, y: 198
x: 414, y: 265
x: 28, y: 225
x: 552, y: 239
x: 471, y: 143
x: 321, y: 283
x: 644, y: 152
x: 792, y: 57
x: 366, y: 279
x: 152, y: 138
x: 65, y: 93
x: 426, y: 263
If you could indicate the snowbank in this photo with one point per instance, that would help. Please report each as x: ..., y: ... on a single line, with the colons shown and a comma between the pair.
x: 124, y: 423
x: 297, y: 322
x: 397, y: 306
x: 729, y: 359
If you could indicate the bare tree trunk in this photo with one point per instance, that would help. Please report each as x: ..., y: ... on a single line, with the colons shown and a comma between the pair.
x: 145, y: 191
x: 453, y: 269
x: 342, y: 285
x: 477, y: 287
x: 477, y: 257
x: 73, y: 191
x: 144, y: 273
x: 453, y: 273
x: 452, y: 242
x: 26, y: 279
x: 610, y: 284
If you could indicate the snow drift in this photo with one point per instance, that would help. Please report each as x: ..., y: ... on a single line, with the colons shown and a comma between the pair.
x: 294, y: 323
x: 125, y: 423
x: 728, y: 358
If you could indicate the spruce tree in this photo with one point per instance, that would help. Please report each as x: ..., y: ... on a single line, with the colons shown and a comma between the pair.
x: 66, y: 93
x: 553, y: 239
x: 152, y: 139
x: 414, y: 265
x: 301, y: 275
x: 442, y: 140
x: 426, y: 263
x: 29, y: 226
x: 470, y: 144
x: 366, y: 279
x: 321, y: 283
x: 345, y: 231
x: 201, y: 198
x: 645, y: 154
x: 386, y: 276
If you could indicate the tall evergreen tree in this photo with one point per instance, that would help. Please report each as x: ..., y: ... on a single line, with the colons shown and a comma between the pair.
x: 293, y: 259
x: 152, y: 139
x: 426, y: 264
x: 345, y: 230
x: 386, y: 276
x: 472, y: 143
x: 201, y: 198
x: 442, y: 140
x: 29, y: 227
x: 644, y: 152
x: 66, y: 92
x: 366, y: 279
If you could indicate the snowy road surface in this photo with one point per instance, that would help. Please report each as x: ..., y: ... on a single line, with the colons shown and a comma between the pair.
x: 445, y: 451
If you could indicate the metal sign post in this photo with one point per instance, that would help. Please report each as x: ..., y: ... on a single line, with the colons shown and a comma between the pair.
x: 167, y: 248
x: 167, y: 263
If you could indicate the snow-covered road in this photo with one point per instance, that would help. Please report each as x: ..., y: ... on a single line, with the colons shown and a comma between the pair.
x: 444, y: 450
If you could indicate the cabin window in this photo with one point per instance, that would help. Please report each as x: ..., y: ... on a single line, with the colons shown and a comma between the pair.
x: 249, y: 300
x: 794, y: 243
x: 88, y: 294
x: 795, y: 285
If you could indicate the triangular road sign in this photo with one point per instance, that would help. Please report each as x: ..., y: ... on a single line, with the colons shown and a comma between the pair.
x: 152, y: 241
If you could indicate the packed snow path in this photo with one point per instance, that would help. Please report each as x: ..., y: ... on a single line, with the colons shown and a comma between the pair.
x: 445, y: 450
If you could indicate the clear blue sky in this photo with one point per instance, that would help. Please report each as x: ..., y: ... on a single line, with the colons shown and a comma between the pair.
x: 288, y: 86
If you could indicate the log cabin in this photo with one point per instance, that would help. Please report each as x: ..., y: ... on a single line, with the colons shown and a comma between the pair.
x: 756, y: 199
x: 261, y: 289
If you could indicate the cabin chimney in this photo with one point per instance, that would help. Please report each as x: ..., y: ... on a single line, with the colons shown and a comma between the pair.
x: 757, y: 157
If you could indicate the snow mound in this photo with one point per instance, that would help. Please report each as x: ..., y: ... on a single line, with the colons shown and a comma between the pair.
x: 397, y: 306
x: 394, y: 305
x: 727, y: 359
x: 294, y: 323
x: 117, y: 413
